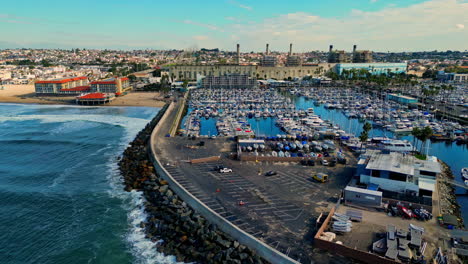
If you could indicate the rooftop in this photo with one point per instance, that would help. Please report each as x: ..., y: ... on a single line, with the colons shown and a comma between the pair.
x: 400, y: 163
x: 64, y: 80
x: 93, y: 96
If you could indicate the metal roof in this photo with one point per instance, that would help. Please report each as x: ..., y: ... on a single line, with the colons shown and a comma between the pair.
x: 395, y: 162
x: 361, y: 190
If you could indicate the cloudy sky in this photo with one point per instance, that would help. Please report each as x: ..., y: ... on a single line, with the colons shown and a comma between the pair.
x: 380, y: 25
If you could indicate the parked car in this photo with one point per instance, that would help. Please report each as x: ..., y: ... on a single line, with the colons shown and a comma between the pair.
x: 311, y: 162
x: 201, y: 143
x: 271, y: 173
x: 218, y: 168
x: 304, y: 162
x: 324, y: 162
x: 225, y: 170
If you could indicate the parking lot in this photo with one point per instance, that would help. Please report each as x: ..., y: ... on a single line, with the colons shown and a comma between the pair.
x: 278, y: 209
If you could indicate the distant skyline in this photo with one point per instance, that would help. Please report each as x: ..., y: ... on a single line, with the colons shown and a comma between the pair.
x: 379, y: 25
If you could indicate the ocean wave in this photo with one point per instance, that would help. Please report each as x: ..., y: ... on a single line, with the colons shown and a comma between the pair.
x: 142, y: 248
x: 123, y: 121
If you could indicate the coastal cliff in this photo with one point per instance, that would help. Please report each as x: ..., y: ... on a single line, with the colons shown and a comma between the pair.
x: 183, y: 232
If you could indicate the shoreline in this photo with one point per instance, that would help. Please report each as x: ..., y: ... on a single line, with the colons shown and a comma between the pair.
x: 185, y: 234
x: 132, y: 99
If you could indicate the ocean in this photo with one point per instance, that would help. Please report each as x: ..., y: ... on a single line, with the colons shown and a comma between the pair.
x: 61, y: 194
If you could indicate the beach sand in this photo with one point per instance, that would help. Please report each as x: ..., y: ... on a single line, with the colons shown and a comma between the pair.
x: 24, y: 94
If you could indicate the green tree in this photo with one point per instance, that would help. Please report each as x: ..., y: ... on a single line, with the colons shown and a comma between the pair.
x: 132, y: 77
x: 367, y: 127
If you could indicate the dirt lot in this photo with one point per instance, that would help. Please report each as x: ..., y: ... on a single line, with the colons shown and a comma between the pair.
x: 363, y: 234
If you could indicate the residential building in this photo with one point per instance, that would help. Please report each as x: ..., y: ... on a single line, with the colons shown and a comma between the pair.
x: 117, y: 85
x: 69, y: 86
x: 399, y: 173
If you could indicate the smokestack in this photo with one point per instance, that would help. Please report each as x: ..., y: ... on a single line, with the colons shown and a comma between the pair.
x: 354, y: 48
x: 238, y: 54
x: 267, y: 49
x: 290, y: 49
x: 331, y: 48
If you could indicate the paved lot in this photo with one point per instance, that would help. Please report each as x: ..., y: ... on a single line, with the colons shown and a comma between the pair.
x: 278, y: 209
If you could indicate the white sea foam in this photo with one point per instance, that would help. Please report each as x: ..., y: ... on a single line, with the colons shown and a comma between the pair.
x: 143, y: 249
x: 129, y: 123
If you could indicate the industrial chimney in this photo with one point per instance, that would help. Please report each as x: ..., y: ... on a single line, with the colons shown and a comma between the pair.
x: 354, y: 48
x: 290, y: 49
x: 331, y: 48
x: 267, y: 49
x: 238, y: 54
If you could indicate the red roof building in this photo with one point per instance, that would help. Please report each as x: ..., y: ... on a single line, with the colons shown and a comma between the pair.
x: 112, y: 85
x: 63, y: 86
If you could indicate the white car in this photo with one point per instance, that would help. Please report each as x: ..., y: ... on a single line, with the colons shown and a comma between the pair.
x: 324, y: 162
x: 225, y: 170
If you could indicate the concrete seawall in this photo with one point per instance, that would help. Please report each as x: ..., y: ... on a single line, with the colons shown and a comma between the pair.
x: 261, y: 248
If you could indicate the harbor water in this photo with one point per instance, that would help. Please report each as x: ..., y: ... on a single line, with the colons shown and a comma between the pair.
x: 61, y: 196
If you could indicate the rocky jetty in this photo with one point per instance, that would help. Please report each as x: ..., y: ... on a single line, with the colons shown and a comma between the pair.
x: 447, y: 197
x: 183, y: 232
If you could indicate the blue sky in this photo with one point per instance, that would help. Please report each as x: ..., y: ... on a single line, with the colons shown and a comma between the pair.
x: 382, y: 25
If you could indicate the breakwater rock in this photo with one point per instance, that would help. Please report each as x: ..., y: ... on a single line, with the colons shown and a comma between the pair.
x: 184, y: 233
x: 447, y: 198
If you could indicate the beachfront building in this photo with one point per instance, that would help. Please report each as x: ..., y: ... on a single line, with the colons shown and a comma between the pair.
x: 63, y: 86
x: 229, y: 81
x: 95, y: 98
x: 373, y: 68
x: 399, y: 173
x: 117, y: 85
x: 402, y: 99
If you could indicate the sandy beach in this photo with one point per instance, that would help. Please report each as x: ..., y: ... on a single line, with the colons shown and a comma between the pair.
x: 24, y: 94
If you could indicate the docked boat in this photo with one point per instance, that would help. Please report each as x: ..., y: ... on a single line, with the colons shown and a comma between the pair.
x: 464, y: 173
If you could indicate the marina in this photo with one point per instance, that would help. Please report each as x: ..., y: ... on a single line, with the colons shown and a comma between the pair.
x: 296, y: 122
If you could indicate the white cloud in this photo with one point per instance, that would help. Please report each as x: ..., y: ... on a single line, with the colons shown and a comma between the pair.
x: 373, y: 1
x: 246, y: 7
x: 427, y: 25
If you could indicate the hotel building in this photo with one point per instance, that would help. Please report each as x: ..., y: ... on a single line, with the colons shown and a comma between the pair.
x: 63, y: 86
x: 116, y: 85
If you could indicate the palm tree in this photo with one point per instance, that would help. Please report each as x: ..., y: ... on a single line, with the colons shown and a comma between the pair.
x: 363, y: 137
x: 415, y: 133
x: 426, y: 133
